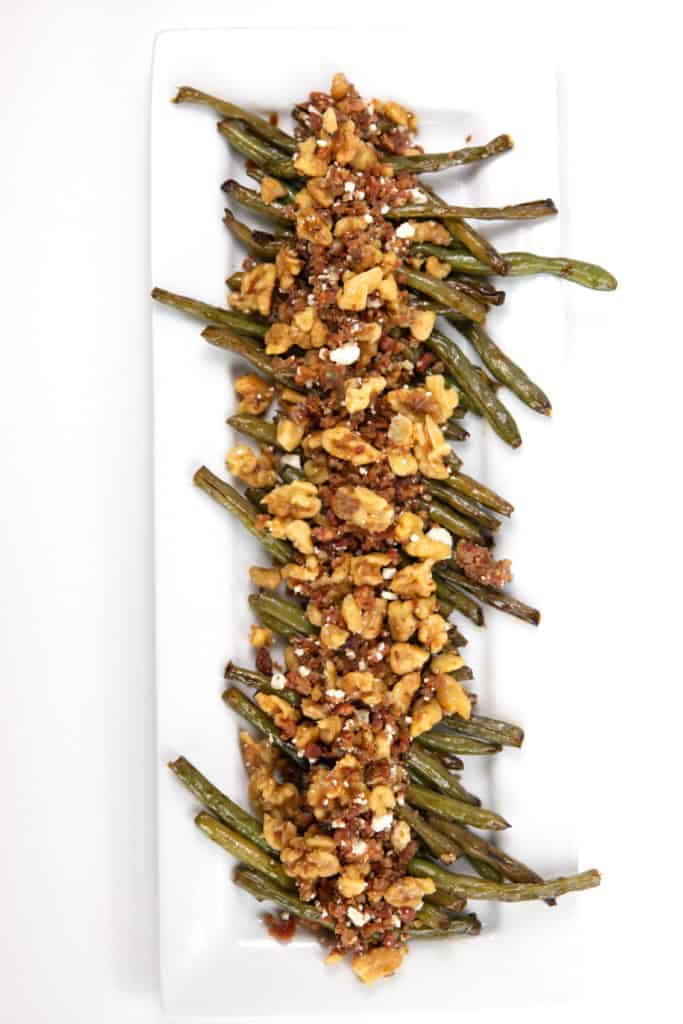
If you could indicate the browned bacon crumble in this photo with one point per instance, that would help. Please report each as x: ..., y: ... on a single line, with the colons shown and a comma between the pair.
x: 381, y: 669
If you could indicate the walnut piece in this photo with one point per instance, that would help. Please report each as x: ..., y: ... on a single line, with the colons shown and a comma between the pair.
x: 357, y: 287
x: 311, y: 226
x: 268, y: 578
x: 277, y: 832
x: 289, y: 434
x: 402, y: 621
x: 260, y: 636
x: 430, y: 231
x: 414, y: 580
x: 310, y: 857
x: 254, y: 393
x: 298, y: 500
x: 340, y: 86
x: 309, y: 161
x: 433, y: 633
x: 256, y: 290
x: 333, y: 636
x: 404, y: 690
x: 271, y: 189
x: 452, y: 697
x: 380, y: 962
x: 426, y: 714
x: 409, y: 892
x: 363, y: 508
x: 288, y: 266
x: 400, y: 836
x: 404, y: 658
x: 256, y: 470
x: 359, y: 393
x: 345, y: 444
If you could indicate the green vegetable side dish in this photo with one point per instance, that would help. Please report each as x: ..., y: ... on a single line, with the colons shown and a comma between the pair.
x: 360, y: 321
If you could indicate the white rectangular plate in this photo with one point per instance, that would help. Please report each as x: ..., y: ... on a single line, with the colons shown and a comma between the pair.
x: 216, y: 959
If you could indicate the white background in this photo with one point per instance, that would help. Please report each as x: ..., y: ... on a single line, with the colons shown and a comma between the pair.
x: 77, y: 855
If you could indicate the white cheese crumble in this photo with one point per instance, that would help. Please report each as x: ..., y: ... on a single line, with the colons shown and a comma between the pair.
x: 385, y: 209
x: 357, y: 917
x: 350, y: 186
x: 367, y: 217
x: 381, y: 822
x: 359, y: 847
x: 388, y: 596
x: 291, y: 460
x: 439, y: 534
x: 405, y: 230
x: 335, y: 694
x: 388, y: 572
x: 303, y: 671
x: 418, y: 195
x: 346, y: 354
x: 278, y: 681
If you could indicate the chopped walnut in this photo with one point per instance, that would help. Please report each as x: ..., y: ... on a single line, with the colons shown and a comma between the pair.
x: 448, y: 662
x: 296, y: 530
x: 409, y: 892
x: 414, y: 580
x: 348, y: 225
x: 402, y: 463
x: 402, y: 621
x: 340, y: 86
x: 452, y: 697
x: 279, y: 710
x: 271, y: 189
x: 260, y: 636
x: 266, y: 793
x: 333, y: 636
x: 422, y: 323
x: 345, y: 444
x: 346, y: 143
x: 380, y: 962
x: 357, y: 287
x: 309, y: 161
x: 407, y: 525
x: 366, y: 570
x: 402, y: 692
x: 381, y: 799
x: 306, y: 331
x: 256, y: 290
x: 278, y: 832
x: 426, y: 714
x: 400, y: 836
x: 351, y: 882
x: 298, y: 500
x: 288, y: 266
x: 426, y: 546
x: 363, y: 508
x: 310, y: 857
x: 404, y: 658
x: 255, y: 470
x: 436, y: 268
x: 430, y: 231
x: 330, y: 727
x: 330, y: 121
x: 434, y: 400
x: 267, y: 578
x: 254, y: 393
x: 289, y: 434
x: 320, y: 190
x: 311, y: 226
x: 430, y: 448
x: 433, y: 633
x: 352, y: 614
x: 360, y: 393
